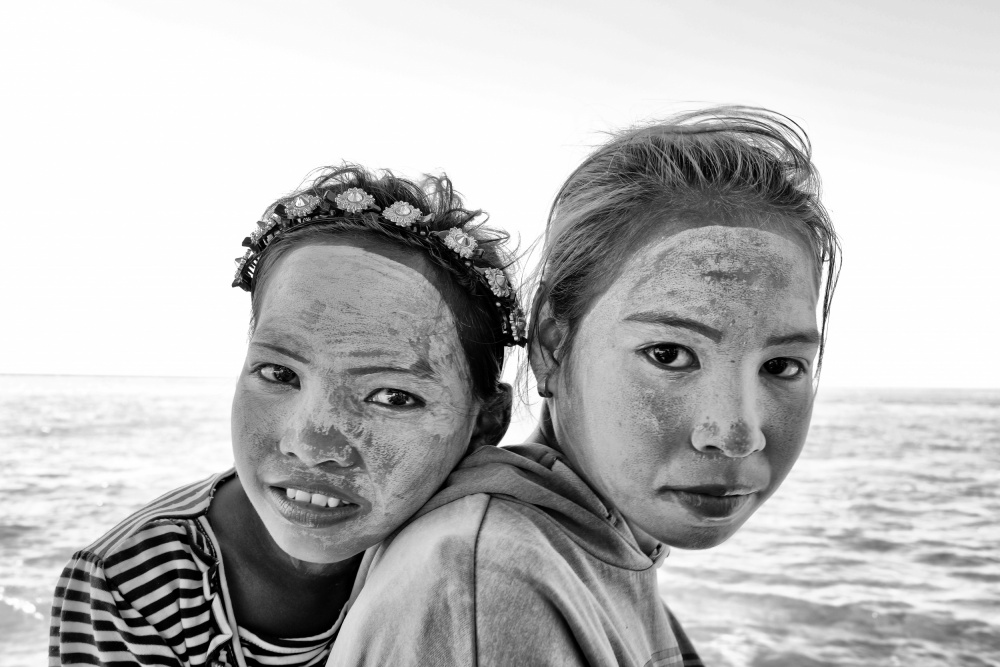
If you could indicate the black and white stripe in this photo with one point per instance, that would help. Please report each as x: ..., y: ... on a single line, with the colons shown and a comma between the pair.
x: 148, y: 593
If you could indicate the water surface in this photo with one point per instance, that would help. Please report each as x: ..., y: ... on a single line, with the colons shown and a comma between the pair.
x: 882, y: 547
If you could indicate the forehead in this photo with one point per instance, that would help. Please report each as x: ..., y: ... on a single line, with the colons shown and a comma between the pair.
x: 743, y: 254
x: 721, y: 266
x: 338, y: 292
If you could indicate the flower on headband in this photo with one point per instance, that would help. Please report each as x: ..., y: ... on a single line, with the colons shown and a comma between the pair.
x: 301, y: 206
x: 264, y: 226
x: 402, y: 213
x: 242, y: 261
x: 498, y: 282
x: 460, y: 242
x: 354, y: 200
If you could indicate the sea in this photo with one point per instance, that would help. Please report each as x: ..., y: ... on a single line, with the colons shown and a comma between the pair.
x: 881, y: 548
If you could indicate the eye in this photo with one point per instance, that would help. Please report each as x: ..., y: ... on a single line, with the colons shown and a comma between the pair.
x: 277, y: 374
x: 395, y: 398
x: 784, y: 368
x: 672, y: 356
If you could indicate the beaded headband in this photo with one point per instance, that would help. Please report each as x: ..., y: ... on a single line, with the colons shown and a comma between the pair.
x: 453, y: 249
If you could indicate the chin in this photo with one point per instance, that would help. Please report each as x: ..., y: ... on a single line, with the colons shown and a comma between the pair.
x: 310, y: 550
x: 695, y: 538
x: 699, y: 540
x: 303, y: 544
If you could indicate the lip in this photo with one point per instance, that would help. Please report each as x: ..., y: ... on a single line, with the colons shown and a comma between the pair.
x: 712, y: 501
x: 718, y: 490
x: 314, y: 516
x: 323, y: 487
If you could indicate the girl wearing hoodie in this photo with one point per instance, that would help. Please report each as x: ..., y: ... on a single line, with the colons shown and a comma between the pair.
x: 676, y: 344
x: 380, y: 317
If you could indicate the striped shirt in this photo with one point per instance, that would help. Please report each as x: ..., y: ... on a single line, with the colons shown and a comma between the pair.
x: 151, y: 592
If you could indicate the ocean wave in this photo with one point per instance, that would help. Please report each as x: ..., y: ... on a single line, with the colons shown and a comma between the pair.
x: 881, y: 548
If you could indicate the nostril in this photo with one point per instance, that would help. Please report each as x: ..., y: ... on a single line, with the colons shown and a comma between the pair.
x: 739, y: 440
x: 314, y: 446
x: 705, y: 437
x: 343, y: 456
x: 742, y: 439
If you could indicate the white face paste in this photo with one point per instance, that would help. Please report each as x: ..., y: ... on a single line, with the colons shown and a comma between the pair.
x: 669, y: 386
x: 351, y: 325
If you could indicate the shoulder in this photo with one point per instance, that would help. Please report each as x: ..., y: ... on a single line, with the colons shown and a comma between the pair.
x: 515, y: 524
x: 460, y: 559
x: 491, y: 568
x: 475, y: 530
x: 440, y: 544
x: 159, y: 545
x: 417, y: 605
x: 187, y: 502
x: 142, y: 588
x: 155, y: 561
x: 525, y: 561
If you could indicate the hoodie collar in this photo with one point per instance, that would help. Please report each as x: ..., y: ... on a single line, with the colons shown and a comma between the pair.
x: 539, y: 476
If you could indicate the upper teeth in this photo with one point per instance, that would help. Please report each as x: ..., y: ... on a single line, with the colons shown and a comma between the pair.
x: 314, y: 498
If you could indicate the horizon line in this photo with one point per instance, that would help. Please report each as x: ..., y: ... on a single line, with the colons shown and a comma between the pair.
x: 229, y: 377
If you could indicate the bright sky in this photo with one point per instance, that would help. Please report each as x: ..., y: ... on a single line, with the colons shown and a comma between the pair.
x: 141, y: 140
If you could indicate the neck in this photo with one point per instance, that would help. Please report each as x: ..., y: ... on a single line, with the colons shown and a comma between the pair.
x: 260, y: 550
x: 272, y: 592
x: 545, y: 434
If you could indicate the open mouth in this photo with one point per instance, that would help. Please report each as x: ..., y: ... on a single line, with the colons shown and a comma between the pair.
x: 312, y: 509
x: 317, y: 500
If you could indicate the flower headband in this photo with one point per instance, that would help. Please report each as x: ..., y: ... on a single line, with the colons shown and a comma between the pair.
x: 453, y: 249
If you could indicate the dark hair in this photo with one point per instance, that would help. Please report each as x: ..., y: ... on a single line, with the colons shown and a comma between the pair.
x: 479, y: 321
x: 727, y: 165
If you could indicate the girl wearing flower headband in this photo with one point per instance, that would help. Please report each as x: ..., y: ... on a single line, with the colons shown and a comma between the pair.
x: 381, y: 313
x: 674, y: 339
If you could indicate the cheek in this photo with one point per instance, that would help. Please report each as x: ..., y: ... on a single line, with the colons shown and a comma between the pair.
x: 256, y: 424
x: 408, y: 455
x: 785, y: 434
x: 418, y: 452
x: 657, y: 429
x: 633, y: 424
x: 391, y: 449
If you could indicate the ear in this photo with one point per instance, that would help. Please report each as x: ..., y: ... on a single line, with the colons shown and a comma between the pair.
x: 493, y: 419
x: 543, y: 356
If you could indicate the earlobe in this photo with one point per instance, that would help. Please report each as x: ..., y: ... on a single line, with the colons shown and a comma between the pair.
x: 545, y: 347
x: 542, y: 383
x: 493, y: 419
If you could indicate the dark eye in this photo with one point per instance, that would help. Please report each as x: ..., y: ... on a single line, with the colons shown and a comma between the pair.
x: 672, y: 356
x: 396, y: 398
x: 277, y: 374
x: 783, y: 367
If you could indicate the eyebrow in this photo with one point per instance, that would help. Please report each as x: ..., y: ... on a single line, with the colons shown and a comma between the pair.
x: 673, y: 320
x: 420, y: 369
x: 807, y: 337
x: 288, y: 353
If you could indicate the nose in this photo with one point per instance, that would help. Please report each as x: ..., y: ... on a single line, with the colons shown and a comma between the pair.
x: 316, y: 445
x: 731, y: 426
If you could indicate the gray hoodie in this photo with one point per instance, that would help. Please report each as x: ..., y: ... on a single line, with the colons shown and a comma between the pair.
x: 516, y: 561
